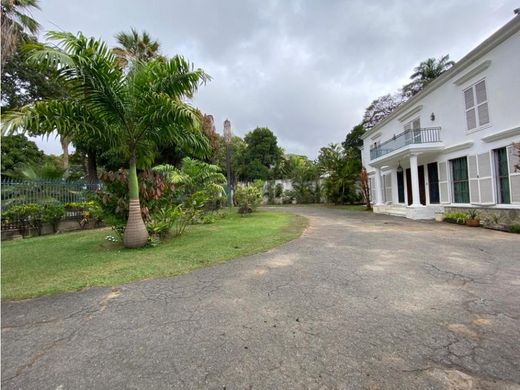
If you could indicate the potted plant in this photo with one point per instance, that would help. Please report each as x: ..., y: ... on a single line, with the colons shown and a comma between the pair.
x: 473, y: 219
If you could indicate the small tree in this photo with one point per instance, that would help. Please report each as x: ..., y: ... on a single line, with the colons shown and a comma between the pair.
x: 365, y: 188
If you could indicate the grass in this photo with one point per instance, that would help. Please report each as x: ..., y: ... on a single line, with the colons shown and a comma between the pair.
x: 73, y: 261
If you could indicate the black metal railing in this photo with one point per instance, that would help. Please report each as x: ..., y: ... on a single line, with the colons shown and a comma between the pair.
x: 408, y: 137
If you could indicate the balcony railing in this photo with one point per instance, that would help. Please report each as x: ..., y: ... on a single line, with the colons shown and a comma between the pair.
x: 408, y: 137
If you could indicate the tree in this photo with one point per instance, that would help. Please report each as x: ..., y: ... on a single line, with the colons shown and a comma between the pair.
x: 134, y: 47
x: 427, y: 71
x: 353, y: 141
x: 341, y: 173
x: 365, y: 187
x: 140, y: 109
x: 380, y: 108
x: 17, y: 152
x: 16, y: 25
x: 261, y: 154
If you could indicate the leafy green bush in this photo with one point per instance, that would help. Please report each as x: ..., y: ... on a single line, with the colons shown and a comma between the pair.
x: 53, y: 213
x: 247, y: 198
x: 514, y: 228
x: 25, y: 218
x: 456, y: 217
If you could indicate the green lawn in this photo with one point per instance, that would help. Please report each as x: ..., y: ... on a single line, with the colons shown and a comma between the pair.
x: 72, y: 261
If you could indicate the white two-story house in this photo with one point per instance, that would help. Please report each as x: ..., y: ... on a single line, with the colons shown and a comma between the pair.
x: 451, y: 145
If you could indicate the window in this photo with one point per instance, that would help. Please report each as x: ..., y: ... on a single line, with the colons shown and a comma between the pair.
x: 502, y: 176
x: 459, y: 172
x: 413, y: 131
x: 475, y: 99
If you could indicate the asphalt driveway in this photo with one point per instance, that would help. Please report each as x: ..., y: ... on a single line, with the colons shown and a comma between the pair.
x: 359, y: 301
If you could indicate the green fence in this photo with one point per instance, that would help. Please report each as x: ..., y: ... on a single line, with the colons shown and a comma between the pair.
x: 18, y: 192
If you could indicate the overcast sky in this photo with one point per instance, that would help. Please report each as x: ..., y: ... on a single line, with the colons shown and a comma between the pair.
x: 305, y: 69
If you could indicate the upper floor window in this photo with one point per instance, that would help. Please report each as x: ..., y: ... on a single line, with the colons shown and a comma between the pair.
x: 475, y: 98
x: 413, y: 125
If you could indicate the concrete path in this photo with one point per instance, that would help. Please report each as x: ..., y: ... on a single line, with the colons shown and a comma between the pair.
x: 358, y: 302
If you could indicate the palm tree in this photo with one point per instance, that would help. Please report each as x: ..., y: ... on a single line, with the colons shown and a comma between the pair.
x: 135, y: 47
x: 16, y: 24
x: 427, y: 71
x: 139, y: 110
x: 195, y: 176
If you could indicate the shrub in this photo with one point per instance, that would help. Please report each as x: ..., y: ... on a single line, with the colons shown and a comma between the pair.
x: 456, y: 217
x: 247, y: 198
x: 25, y: 218
x: 472, y: 214
x: 514, y: 228
x: 53, y: 213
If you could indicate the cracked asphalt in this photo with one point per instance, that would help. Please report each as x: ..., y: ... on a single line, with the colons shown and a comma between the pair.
x: 360, y: 301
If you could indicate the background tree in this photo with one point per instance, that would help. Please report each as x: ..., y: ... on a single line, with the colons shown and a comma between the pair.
x: 134, y: 47
x: 353, y: 141
x: 142, y: 108
x: 427, y: 71
x: 380, y: 108
x: 17, y: 152
x: 260, y: 155
x: 341, y: 174
x: 16, y: 25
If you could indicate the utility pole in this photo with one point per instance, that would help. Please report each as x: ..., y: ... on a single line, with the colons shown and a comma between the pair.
x: 227, y: 140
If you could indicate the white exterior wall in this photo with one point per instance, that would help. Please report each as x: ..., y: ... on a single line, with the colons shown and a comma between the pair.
x: 446, y: 101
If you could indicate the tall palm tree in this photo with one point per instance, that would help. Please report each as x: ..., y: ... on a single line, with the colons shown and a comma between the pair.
x: 427, y: 71
x: 15, y: 24
x: 140, y: 109
x: 135, y: 47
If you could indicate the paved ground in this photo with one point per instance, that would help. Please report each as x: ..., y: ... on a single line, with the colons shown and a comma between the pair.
x: 359, y: 301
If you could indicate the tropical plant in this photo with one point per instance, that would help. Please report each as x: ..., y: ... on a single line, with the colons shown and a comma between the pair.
x: 425, y: 72
x: 140, y: 109
x: 16, y: 25
x: 134, y: 47
x: 195, y: 176
x: 341, y: 174
x: 247, y: 198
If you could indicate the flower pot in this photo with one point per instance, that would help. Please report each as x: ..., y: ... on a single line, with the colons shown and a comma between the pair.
x: 473, y: 222
x: 439, y: 217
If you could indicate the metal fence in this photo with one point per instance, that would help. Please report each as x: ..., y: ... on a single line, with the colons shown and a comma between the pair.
x: 415, y: 136
x: 19, y: 192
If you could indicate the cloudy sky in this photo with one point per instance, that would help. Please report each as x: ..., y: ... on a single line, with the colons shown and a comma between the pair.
x: 305, y: 69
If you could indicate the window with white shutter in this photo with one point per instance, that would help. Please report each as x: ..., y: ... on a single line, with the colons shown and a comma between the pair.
x: 475, y: 100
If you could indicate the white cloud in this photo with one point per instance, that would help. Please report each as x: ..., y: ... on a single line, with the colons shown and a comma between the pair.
x: 305, y: 69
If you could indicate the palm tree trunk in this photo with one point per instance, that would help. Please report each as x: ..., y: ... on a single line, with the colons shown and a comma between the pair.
x: 136, y: 234
x: 65, y: 142
x: 92, y: 177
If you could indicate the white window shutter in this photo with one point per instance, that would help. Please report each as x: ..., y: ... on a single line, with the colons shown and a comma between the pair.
x: 480, y: 92
x: 485, y: 179
x: 483, y: 114
x: 468, y: 98
x: 474, y: 195
x: 471, y: 119
x: 443, y: 183
x: 514, y: 175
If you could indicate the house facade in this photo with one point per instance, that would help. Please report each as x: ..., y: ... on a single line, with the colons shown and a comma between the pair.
x: 451, y: 145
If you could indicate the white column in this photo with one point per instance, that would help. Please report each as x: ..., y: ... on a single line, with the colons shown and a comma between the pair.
x: 415, y: 181
x: 378, y: 193
x: 395, y: 192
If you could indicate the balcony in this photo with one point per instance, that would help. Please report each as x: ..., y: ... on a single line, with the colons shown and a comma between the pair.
x: 408, y: 137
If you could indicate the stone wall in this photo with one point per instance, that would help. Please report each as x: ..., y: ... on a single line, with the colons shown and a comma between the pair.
x: 506, y: 216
